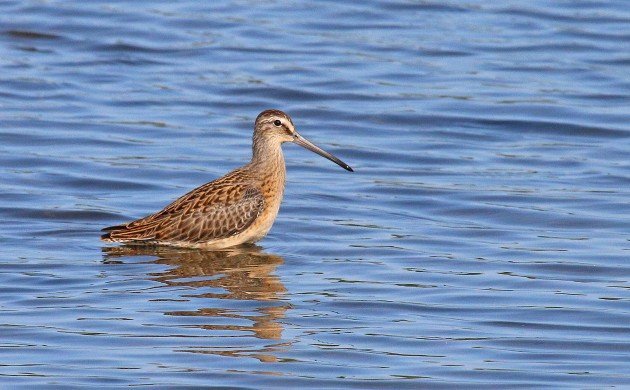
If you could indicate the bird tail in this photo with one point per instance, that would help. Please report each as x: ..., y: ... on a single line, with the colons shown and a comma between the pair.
x: 129, y: 232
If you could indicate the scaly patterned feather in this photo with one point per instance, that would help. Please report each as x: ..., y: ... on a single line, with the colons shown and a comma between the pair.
x: 219, y: 209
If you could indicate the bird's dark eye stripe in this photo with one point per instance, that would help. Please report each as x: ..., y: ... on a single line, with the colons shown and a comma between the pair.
x: 277, y: 122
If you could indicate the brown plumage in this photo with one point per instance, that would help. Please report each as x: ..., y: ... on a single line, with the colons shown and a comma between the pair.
x: 237, y: 208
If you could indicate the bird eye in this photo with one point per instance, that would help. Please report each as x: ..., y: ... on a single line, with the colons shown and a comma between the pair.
x: 277, y: 122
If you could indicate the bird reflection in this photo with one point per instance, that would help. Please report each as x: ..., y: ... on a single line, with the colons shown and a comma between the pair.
x: 241, y: 273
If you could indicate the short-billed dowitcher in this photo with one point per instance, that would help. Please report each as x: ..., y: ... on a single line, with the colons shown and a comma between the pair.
x: 237, y: 208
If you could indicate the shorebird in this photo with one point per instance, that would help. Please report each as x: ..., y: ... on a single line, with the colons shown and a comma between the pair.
x: 235, y: 209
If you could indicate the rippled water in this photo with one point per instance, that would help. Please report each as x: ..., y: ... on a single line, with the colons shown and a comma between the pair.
x: 482, y: 241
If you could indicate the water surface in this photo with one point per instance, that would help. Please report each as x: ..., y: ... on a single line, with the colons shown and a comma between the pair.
x: 483, y: 240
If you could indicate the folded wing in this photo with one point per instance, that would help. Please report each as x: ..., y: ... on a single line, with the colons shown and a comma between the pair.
x: 207, y: 213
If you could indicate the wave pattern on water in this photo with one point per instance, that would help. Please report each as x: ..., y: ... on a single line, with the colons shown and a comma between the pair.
x: 482, y: 241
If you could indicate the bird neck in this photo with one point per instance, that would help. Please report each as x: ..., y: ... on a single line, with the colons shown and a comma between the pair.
x: 267, y: 156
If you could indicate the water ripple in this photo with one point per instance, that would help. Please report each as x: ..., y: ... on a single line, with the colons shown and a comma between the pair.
x: 482, y: 240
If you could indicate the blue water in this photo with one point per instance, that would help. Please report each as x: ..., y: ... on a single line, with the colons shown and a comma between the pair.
x: 482, y: 241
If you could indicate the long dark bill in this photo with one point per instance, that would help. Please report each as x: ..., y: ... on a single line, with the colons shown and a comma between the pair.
x: 314, y: 148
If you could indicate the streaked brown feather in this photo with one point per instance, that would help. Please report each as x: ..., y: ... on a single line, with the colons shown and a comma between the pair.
x: 215, y: 210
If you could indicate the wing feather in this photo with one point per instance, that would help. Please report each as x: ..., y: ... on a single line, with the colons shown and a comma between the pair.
x: 213, y: 211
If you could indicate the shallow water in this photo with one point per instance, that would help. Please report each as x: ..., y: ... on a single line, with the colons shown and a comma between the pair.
x: 482, y: 241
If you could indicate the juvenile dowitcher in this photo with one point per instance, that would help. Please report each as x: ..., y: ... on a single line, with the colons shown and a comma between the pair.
x: 237, y: 208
